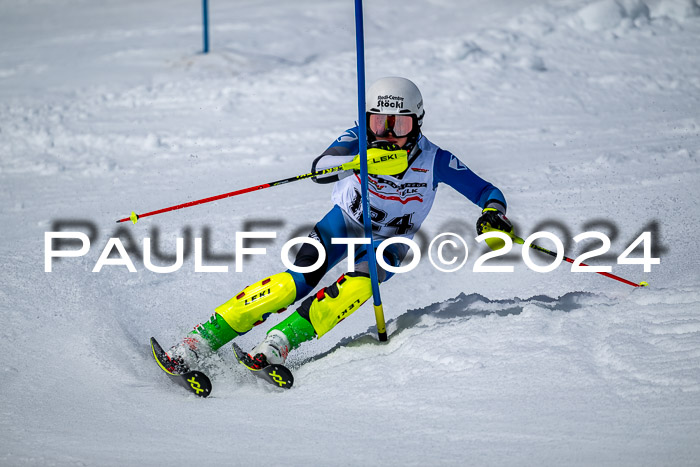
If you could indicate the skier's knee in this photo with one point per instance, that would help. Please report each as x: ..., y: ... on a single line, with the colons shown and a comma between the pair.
x: 307, y: 256
x: 363, y: 268
x: 257, y: 301
x: 392, y: 256
x: 333, y: 304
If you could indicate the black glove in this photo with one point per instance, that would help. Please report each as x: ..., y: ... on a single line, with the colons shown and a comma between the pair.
x: 492, y: 218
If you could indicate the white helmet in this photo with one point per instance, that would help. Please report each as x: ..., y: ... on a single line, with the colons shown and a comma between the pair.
x: 395, y: 96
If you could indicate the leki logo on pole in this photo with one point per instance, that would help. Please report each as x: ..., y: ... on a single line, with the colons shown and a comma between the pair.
x: 195, y: 385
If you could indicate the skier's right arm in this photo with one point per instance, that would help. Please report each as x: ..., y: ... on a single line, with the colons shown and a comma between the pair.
x: 344, y: 149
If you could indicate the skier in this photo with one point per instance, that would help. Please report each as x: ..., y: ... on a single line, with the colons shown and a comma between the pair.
x: 399, y: 205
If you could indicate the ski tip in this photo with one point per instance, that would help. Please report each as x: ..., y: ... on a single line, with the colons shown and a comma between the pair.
x: 242, y: 357
x: 237, y: 351
x: 159, y: 356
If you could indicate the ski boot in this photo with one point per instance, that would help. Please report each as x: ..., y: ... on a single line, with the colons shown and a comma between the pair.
x: 266, y: 360
x: 185, y: 355
x: 273, y: 350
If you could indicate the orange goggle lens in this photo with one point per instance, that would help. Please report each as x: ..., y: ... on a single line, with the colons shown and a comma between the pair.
x: 385, y: 125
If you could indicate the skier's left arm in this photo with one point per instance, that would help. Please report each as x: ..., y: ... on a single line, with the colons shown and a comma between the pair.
x: 450, y: 170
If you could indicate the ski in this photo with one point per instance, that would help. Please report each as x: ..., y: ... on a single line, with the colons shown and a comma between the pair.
x: 194, y: 381
x: 277, y: 375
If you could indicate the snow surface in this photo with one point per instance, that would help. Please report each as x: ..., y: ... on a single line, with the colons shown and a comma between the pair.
x: 583, y: 113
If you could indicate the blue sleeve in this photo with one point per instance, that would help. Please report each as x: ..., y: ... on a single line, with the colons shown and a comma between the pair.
x: 347, y: 143
x: 452, y: 171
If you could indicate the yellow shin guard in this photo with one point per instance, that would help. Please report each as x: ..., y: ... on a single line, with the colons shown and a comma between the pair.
x: 257, y: 301
x: 335, y: 303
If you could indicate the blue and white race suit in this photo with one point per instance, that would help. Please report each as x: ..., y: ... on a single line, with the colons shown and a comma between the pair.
x: 399, y: 204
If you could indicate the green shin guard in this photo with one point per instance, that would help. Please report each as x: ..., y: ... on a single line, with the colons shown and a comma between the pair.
x: 297, y: 329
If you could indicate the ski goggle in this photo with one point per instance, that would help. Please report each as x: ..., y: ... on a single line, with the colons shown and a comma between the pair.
x: 399, y: 125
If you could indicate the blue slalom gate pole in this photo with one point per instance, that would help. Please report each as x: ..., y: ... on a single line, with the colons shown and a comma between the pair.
x: 205, y: 20
x: 366, y: 217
